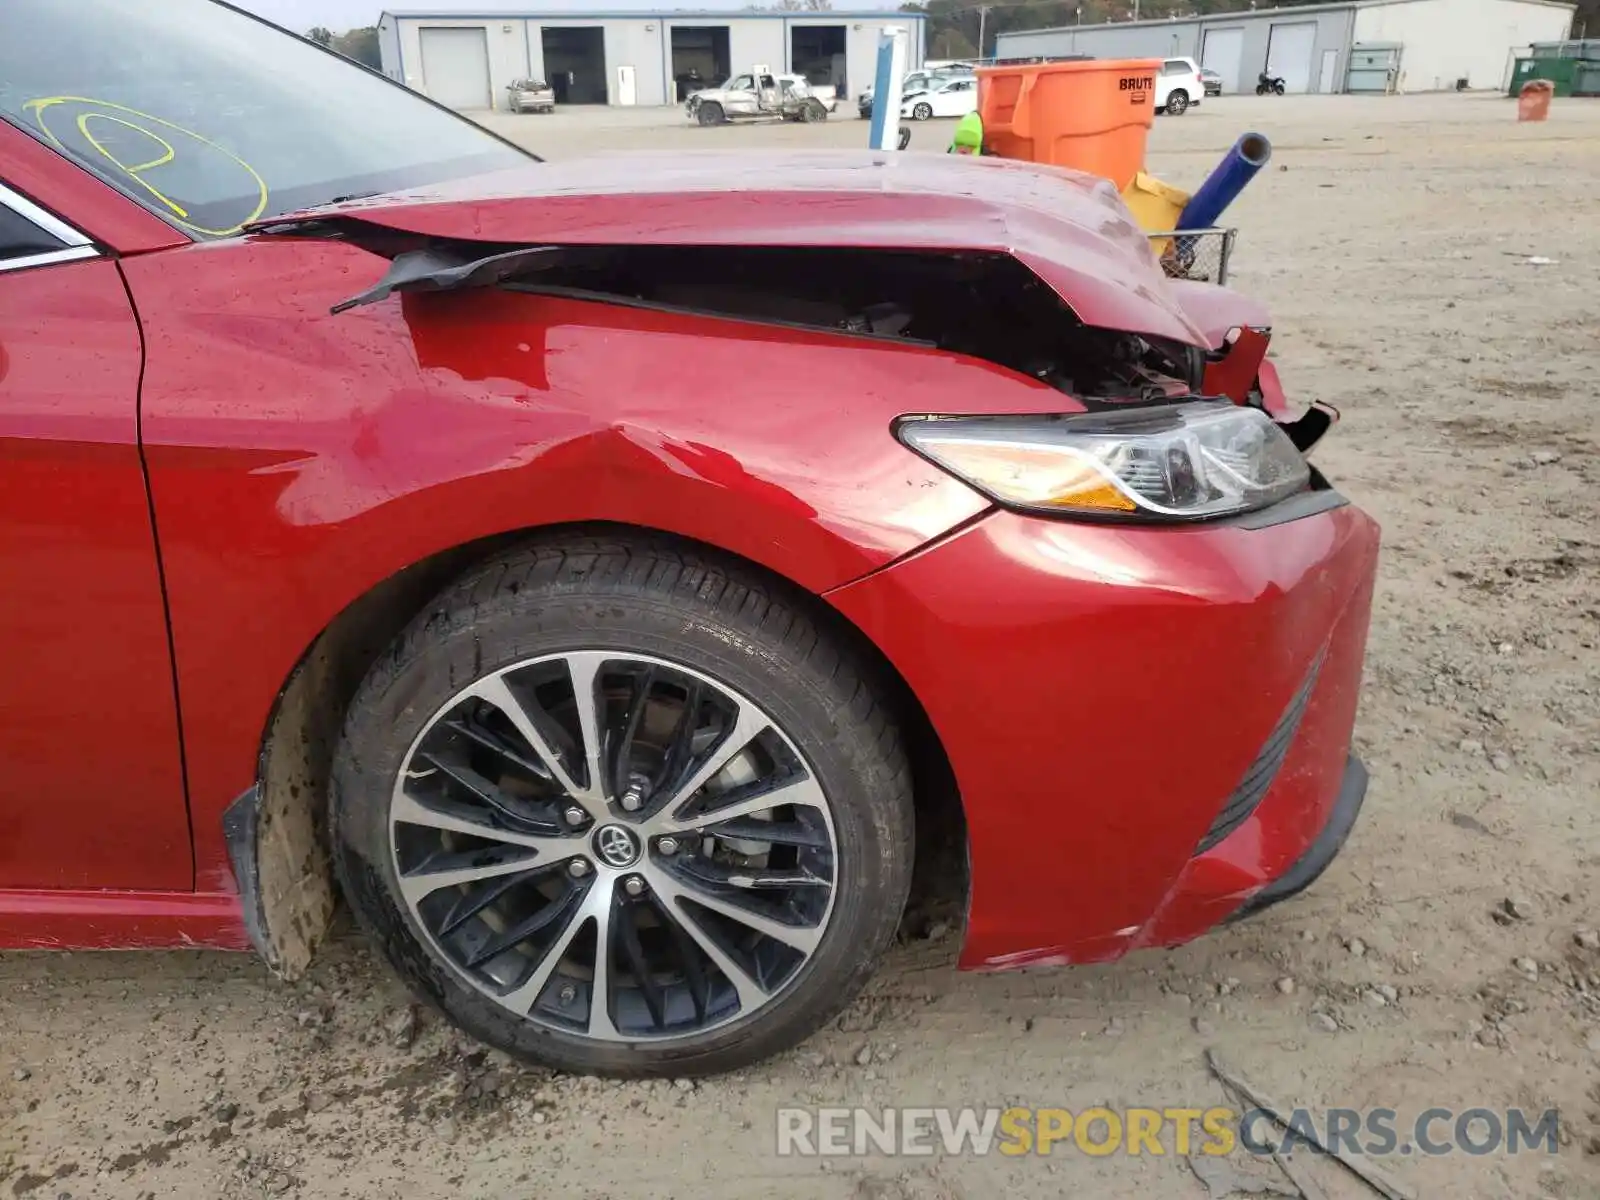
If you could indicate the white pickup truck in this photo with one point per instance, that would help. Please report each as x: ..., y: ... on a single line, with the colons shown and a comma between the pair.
x: 760, y: 93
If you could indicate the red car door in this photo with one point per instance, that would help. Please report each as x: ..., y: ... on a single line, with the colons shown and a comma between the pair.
x: 91, y: 784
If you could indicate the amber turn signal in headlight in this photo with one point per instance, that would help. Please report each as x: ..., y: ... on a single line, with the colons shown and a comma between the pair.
x: 1173, y: 462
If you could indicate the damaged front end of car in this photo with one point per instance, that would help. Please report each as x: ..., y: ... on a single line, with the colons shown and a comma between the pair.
x: 1054, y: 286
x: 986, y: 305
x: 1038, y: 270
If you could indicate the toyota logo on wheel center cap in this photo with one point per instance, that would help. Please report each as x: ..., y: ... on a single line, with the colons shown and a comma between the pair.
x: 616, y: 846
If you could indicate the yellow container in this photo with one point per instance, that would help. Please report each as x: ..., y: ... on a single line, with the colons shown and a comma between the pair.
x: 1155, y: 205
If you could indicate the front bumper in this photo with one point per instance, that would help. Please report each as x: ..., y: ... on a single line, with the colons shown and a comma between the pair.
x: 1319, y: 856
x: 1104, y: 693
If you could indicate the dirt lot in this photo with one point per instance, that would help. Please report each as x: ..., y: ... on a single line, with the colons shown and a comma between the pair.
x: 1393, y: 240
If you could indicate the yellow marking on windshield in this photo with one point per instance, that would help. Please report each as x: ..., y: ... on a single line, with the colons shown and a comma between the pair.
x: 105, y: 110
x: 131, y: 168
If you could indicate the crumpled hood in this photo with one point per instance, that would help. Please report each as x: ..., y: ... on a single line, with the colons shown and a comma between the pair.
x: 1069, y: 228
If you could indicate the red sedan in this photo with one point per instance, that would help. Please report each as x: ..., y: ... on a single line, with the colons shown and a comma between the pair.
x: 591, y: 573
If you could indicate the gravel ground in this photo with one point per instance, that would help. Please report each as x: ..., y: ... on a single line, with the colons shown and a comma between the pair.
x: 1444, y: 960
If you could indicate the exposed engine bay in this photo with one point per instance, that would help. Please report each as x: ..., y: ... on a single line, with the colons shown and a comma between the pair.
x: 985, y: 305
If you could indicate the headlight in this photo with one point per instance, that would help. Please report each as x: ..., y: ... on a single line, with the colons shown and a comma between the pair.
x: 1182, y: 462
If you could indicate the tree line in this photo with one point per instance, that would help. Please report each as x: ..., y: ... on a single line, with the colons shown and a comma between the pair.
x: 360, y: 44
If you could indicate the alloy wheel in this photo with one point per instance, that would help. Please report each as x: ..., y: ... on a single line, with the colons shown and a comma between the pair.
x: 614, y: 845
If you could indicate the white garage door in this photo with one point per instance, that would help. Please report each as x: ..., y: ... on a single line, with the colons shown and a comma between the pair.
x: 1289, y: 54
x: 455, y: 66
x: 1223, y: 52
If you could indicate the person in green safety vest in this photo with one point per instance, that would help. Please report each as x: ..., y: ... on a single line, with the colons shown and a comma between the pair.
x: 968, y: 138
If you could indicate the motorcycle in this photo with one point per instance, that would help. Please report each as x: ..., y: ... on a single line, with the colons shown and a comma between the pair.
x: 1266, y: 84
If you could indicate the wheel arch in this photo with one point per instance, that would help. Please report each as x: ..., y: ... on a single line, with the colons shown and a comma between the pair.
x: 277, y: 831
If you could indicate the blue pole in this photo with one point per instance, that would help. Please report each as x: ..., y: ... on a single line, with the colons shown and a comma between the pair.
x: 880, y: 93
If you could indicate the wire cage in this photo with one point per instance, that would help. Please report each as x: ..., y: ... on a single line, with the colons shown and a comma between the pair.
x: 1199, y: 254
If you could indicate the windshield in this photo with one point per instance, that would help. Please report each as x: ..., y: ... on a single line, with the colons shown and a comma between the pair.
x: 213, y: 119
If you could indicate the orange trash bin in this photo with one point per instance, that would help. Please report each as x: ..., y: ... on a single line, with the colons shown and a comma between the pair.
x: 1092, y: 116
x: 1533, y: 101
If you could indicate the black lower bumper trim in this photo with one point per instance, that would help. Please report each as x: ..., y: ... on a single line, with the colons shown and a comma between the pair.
x: 1311, y: 864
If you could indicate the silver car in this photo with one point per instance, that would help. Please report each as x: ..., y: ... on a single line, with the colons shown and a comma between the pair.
x: 530, y: 95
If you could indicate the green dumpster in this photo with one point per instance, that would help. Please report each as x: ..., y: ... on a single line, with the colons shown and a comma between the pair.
x: 1562, y: 72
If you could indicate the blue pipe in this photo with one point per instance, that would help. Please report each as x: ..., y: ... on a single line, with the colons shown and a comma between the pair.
x: 1237, y: 168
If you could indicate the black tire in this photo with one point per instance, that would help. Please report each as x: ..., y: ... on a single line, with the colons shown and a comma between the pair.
x: 812, y: 112
x: 1177, y: 102
x: 922, y: 111
x: 710, y: 113
x: 1261, y: 89
x: 651, y: 598
x: 1278, y: 88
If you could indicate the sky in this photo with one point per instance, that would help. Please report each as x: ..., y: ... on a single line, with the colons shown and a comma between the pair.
x: 339, y: 15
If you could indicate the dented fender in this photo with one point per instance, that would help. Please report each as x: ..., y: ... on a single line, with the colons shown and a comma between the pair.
x: 372, y: 441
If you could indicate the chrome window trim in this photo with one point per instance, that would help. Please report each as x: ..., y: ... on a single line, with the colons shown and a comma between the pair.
x: 75, y: 244
x: 50, y: 258
x: 49, y: 222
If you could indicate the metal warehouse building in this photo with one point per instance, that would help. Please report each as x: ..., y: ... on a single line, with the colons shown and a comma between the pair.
x: 1357, y: 46
x: 466, y: 61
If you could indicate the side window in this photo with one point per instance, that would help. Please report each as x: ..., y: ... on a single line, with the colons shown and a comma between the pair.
x: 741, y: 83
x: 21, y: 238
x: 767, y: 81
x: 32, y: 237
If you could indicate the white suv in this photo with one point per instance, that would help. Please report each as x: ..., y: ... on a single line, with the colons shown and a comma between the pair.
x: 1178, y: 86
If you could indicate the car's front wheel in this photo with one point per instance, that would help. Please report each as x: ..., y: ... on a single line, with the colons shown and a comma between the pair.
x: 922, y: 112
x: 618, y: 809
x: 709, y: 113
